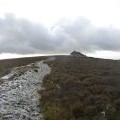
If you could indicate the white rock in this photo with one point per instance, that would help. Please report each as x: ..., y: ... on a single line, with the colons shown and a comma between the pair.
x: 19, y: 98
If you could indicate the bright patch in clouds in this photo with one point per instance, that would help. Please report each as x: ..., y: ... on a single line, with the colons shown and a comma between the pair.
x: 105, y: 54
x: 100, y: 12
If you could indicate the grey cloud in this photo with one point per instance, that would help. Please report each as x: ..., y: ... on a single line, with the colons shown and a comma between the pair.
x: 87, y: 37
x: 23, y: 37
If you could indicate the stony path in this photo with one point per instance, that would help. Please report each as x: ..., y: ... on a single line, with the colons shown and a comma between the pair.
x: 19, y: 99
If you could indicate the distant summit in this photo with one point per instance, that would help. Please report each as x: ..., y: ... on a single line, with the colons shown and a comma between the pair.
x: 77, y: 54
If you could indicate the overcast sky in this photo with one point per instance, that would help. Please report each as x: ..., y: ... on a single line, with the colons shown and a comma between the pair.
x: 59, y: 27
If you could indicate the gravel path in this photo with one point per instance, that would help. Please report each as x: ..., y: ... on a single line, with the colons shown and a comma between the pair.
x: 19, y: 98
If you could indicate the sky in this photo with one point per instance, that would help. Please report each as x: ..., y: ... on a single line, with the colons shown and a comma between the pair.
x: 43, y: 27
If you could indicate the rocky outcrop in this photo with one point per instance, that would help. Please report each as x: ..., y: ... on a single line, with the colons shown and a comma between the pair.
x: 77, y: 54
x: 19, y: 98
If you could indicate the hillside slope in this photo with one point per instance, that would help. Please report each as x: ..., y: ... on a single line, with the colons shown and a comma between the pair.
x: 82, y: 88
x: 78, y: 88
